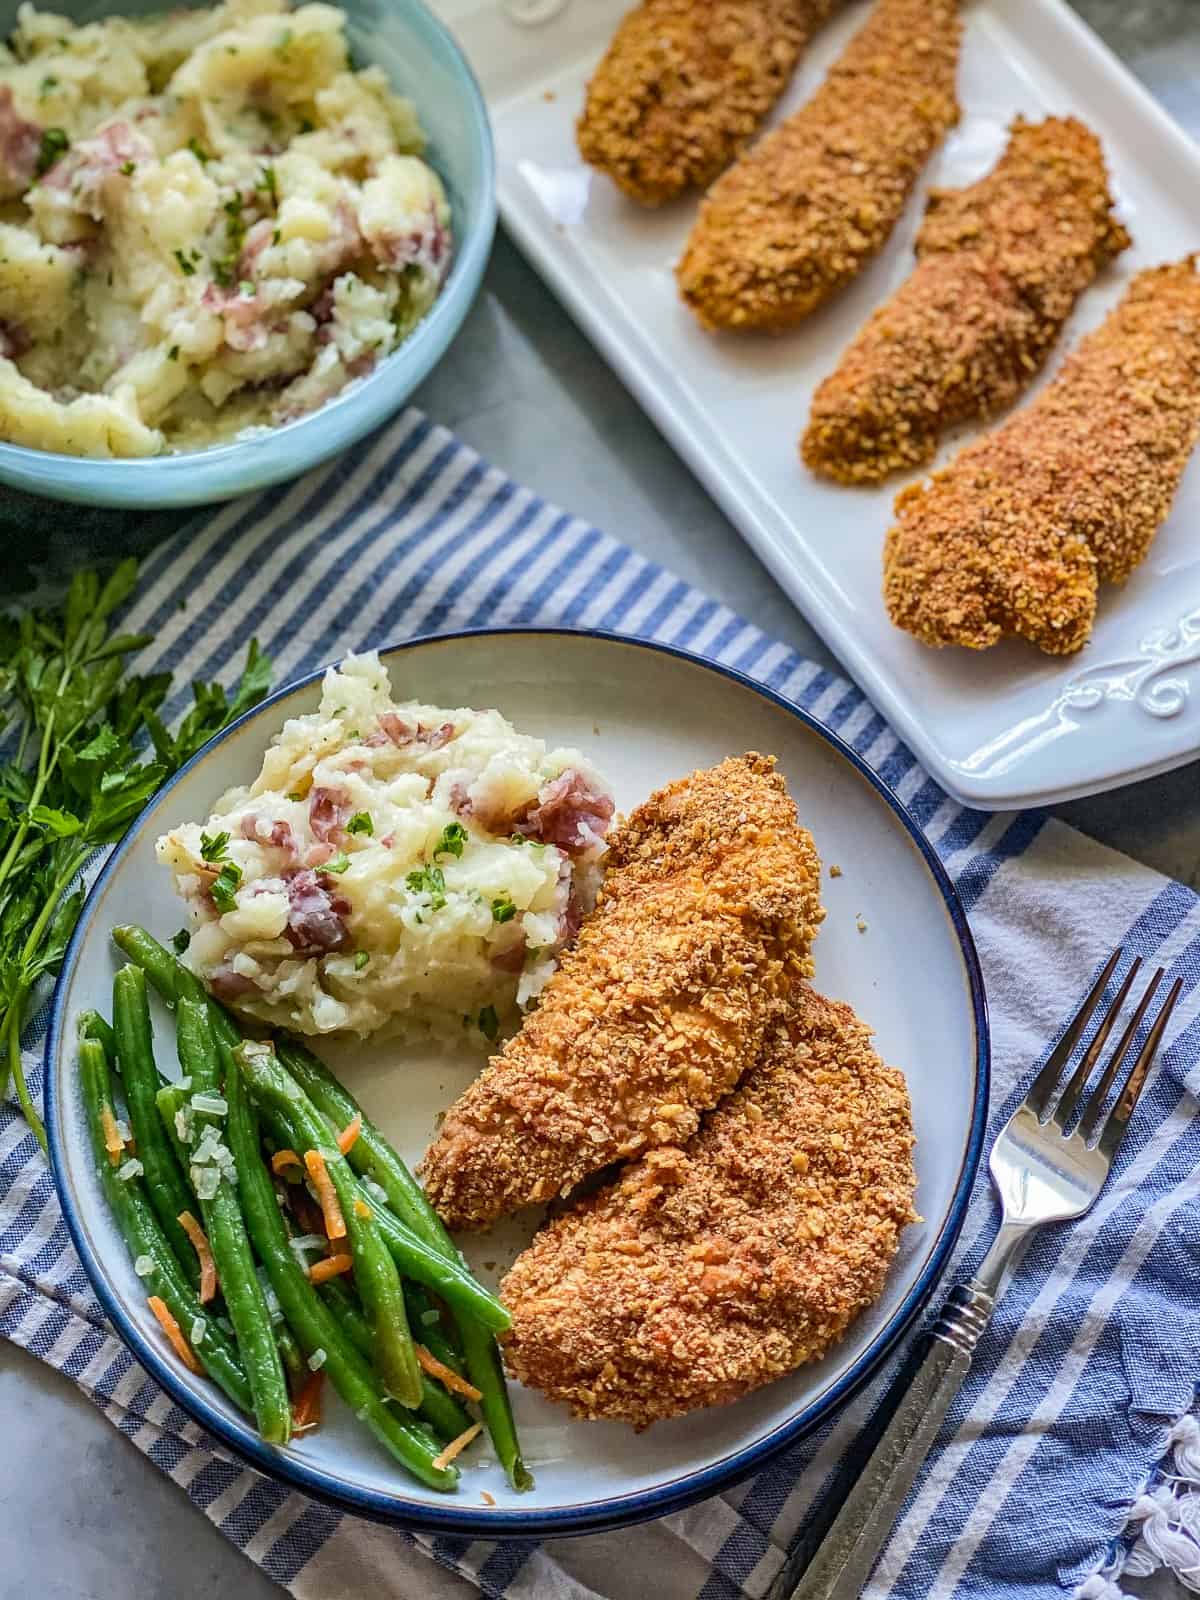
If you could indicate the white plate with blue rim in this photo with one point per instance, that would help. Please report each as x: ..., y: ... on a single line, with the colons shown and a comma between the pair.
x: 895, y: 945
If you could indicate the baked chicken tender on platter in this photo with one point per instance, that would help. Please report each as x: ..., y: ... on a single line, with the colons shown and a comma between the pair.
x: 1000, y: 266
x: 1018, y: 532
x: 805, y: 210
x: 684, y: 85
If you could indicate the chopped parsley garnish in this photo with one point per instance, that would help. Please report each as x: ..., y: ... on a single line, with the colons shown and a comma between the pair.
x: 489, y: 1023
x: 224, y: 886
x: 180, y: 941
x: 276, y: 236
x: 48, y: 82
x: 185, y: 266
x: 54, y: 144
x: 306, y: 125
x: 520, y: 838
x: 268, y: 184
x: 430, y: 881
x: 235, y: 235
x: 128, y: 168
x: 360, y: 960
x: 283, y: 41
x: 212, y: 846
x: 337, y: 864
x: 173, y: 353
x: 454, y: 837
x: 503, y: 909
x: 294, y: 795
x: 246, y: 287
x: 202, y: 155
x: 361, y: 822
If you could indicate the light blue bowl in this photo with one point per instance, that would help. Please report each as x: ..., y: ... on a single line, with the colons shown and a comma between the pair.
x: 422, y: 61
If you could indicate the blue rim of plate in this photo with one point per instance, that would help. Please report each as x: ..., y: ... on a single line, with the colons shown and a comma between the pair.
x: 621, y: 1510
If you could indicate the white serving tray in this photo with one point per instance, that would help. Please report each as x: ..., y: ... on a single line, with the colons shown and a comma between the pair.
x: 1003, y: 728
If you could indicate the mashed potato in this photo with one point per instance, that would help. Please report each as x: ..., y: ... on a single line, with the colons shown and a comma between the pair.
x: 208, y: 223
x: 393, y: 867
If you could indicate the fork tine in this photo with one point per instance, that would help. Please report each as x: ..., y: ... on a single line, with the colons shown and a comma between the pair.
x: 1071, y: 1094
x: 1095, y: 1106
x: 1046, y: 1081
x: 1118, y: 1119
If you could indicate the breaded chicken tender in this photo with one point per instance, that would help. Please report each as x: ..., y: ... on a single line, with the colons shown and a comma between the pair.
x: 705, y: 919
x: 1018, y: 532
x: 684, y: 85
x: 815, y: 199
x: 1000, y: 266
x: 711, y: 1268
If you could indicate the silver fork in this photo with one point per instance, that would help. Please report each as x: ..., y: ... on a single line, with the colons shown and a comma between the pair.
x: 1047, y: 1167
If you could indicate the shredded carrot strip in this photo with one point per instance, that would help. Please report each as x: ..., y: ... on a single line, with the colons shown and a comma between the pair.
x: 208, y: 1267
x: 335, y: 1222
x: 447, y: 1375
x: 488, y: 1499
x: 456, y: 1446
x: 348, y: 1138
x: 330, y: 1267
x: 112, y: 1139
x: 286, y: 1158
x: 171, y: 1328
x: 363, y: 1210
x: 306, y: 1409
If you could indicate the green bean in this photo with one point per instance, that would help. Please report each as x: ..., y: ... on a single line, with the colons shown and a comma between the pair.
x: 372, y: 1155
x: 438, y: 1406
x: 308, y: 1317
x: 430, y: 1333
x: 292, y: 1357
x: 171, y: 1100
x: 93, y: 1026
x: 144, y: 1237
x: 374, y: 1269
x: 155, y: 960
x: 413, y: 1257
x: 135, y: 1053
x: 450, y: 1279
x: 228, y: 1241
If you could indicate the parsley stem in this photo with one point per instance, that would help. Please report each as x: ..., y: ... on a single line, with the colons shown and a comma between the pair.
x: 16, y: 1067
x: 12, y: 1067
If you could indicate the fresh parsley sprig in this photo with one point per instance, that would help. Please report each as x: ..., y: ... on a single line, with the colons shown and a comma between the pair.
x: 85, y: 749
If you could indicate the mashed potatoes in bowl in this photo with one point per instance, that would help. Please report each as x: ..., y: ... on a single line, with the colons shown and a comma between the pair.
x: 394, y: 867
x: 209, y: 224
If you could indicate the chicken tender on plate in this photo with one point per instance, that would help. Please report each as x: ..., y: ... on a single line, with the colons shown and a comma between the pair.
x: 711, y: 1268
x: 1000, y: 266
x: 704, y: 922
x: 684, y: 85
x: 806, y: 209
x: 1018, y: 532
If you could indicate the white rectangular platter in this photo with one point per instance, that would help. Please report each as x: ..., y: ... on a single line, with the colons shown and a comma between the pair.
x: 1002, y: 728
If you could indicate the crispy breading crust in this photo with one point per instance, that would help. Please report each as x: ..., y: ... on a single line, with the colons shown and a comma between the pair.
x: 684, y: 85
x: 809, y: 206
x: 1016, y: 534
x: 1000, y: 267
x: 709, y: 1270
x: 705, y: 918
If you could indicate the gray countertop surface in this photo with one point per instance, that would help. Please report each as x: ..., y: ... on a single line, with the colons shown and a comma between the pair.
x: 83, y: 1516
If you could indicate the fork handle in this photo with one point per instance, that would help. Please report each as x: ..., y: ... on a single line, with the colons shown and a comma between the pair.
x: 917, y: 1403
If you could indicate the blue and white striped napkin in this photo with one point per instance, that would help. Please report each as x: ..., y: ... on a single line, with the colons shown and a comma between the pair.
x: 1073, y: 1455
